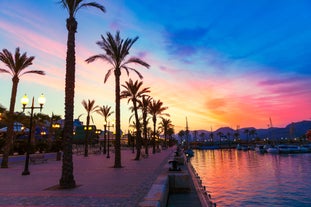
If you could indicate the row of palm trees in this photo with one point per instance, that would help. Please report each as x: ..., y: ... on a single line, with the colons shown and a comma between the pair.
x: 116, y: 51
x: 141, y: 102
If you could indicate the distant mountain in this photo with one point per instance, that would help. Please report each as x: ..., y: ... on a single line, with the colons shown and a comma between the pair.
x: 292, y: 130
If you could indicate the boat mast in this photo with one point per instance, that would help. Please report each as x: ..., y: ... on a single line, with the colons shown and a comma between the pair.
x: 187, y: 133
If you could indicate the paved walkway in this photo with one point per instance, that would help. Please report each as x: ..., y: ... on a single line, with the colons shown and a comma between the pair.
x: 99, y: 183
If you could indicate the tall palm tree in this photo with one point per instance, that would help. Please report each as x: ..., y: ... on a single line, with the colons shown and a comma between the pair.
x: 90, y: 107
x: 143, y: 104
x: 105, y: 111
x: 165, y: 124
x: 17, y: 65
x: 72, y: 7
x: 134, y: 92
x: 116, y: 52
x: 170, y: 133
x: 156, y: 109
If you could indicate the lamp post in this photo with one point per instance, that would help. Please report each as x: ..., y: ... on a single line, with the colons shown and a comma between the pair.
x: 105, y: 138
x: 24, y: 102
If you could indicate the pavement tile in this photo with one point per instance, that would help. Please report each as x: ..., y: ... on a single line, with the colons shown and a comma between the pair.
x: 99, y: 183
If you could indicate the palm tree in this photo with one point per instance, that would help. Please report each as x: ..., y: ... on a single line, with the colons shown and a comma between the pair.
x: 165, y: 124
x: 116, y: 51
x: 170, y: 133
x: 90, y: 107
x: 72, y: 6
x: 156, y: 109
x: 143, y: 104
x: 133, y: 92
x: 105, y: 111
x: 17, y: 65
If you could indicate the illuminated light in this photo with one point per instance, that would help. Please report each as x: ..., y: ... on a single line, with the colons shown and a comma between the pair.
x: 25, y: 100
x: 41, y: 99
x: 56, y: 126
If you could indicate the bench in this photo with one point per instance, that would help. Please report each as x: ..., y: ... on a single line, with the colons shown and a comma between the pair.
x: 37, y: 158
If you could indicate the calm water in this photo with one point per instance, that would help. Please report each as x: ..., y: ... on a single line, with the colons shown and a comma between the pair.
x: 240, y: 178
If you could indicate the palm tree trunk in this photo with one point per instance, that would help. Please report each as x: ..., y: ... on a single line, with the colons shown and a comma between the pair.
x: 145, y: 133
x: 154, y: 135
x: 86, y: 138
x: 10, y: 129
x: 67, y: 179
x: 138, y: 132
x: 117, y: 161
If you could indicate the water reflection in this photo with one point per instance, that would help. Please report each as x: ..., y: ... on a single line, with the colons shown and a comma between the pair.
x: 239, y: 178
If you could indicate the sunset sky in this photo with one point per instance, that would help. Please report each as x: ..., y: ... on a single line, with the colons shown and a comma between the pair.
x: 220, y: 63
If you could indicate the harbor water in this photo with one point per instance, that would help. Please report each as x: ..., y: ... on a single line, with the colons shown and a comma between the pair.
x: 248, y: 178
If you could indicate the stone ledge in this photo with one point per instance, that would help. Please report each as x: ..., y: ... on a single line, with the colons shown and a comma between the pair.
x: 158, y: 194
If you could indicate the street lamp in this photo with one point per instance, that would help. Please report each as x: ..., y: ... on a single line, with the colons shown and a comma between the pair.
x: 25, y: 101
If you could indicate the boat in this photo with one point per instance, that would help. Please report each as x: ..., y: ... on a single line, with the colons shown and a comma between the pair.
x: 242, y: 147
x: 287, y: 149
x: 273, y: 150
x: 207, y: 147
x: 260, y: 149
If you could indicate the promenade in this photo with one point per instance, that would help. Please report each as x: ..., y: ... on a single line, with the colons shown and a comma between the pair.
x: 99, y: 184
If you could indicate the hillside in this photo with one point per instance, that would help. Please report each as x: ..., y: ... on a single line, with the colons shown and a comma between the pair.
x: 292, y: 130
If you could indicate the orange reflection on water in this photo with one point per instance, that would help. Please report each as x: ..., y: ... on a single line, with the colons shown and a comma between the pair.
x: 229, y: 173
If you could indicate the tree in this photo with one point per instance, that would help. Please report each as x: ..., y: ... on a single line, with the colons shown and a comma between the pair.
x: 105, y: 111
x: 170, y: 133
x: 116, y: 52
x: 90, y: 107
x: 17, y: 65
x: 72, y: 7
x: 144, y: 105
x: 165, y: 124
x: 134, y: 92
x: 156, y: 109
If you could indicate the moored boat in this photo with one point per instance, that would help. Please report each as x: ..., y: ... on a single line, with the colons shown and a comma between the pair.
x: 260, y: 149
x: 273, y: 150
x: 287, y: 149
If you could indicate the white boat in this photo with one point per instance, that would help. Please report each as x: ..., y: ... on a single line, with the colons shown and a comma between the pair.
x: 273, y: 150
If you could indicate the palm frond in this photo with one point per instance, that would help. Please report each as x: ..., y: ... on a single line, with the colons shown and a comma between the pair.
x: 137, y: 61
x: 108, y: 74
x: 4, y: 71
x: 93, y: 4
x: 132, y: 69
x: 39, y: 72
